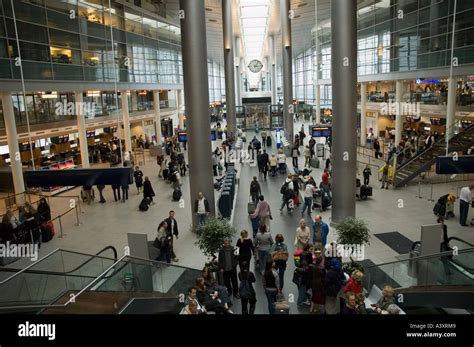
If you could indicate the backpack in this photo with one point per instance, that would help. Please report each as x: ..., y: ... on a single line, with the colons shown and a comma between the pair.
x: 284, y: 188
x: 246, y: 290
x: 297, y: 257
x: 254, y: 187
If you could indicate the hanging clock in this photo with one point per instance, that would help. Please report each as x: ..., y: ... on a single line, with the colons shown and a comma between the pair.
x: 255, y: 66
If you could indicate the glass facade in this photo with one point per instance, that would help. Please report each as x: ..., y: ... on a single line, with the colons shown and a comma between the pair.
x: 65, y: 40
x: 395, y: 35
x: 216, y: 82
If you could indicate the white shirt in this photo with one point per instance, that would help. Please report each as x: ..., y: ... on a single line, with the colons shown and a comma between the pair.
x: 465, y: 195
x: 201, y: 206
x: 281, y: 158
x: 309, y: 190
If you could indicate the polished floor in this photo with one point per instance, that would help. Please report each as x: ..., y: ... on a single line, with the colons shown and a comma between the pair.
x: 108, y: 224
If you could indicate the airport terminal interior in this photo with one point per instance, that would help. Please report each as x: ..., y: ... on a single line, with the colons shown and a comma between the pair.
x: 237, y: 157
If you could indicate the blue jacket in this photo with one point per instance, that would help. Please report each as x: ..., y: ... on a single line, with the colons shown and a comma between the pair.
x: 324, y: 232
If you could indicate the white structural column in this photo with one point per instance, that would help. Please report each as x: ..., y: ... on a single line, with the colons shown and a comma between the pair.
x: 179, y: 106
x: 451, y: 108
x: 126, y: 121
x: 363, y: 113
x: 238, y: 83
x: 13, y: 147
x: 399, y: 112
x: 317, y: 90
x: 273, y: 73
x: 157, y: 111
x: 81, y: 129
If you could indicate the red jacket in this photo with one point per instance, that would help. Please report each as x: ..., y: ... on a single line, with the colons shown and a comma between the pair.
x: 353, y: 286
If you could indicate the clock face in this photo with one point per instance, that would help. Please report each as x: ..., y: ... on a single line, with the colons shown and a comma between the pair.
x: 255, y: 66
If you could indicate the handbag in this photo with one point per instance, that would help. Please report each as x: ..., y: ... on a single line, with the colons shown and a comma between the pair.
x: 297, y: 278
x: 157, y: 243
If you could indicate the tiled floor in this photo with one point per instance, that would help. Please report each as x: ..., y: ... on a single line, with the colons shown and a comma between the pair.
x: 108, y: 224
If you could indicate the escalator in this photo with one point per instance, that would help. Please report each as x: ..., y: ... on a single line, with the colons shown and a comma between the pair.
x: 439, y: 282
x: 66, y: 282
x: 426, y: 159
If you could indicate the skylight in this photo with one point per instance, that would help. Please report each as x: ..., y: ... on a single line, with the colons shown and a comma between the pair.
x: 254, y: 20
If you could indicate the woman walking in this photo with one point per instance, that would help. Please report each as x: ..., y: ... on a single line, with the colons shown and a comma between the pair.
x: 148, y: 192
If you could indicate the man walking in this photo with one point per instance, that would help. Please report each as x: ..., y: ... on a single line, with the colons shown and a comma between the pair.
x: 255, y: 190
x: 320, y: 232
x: 172, y: 228
x: 228, y: 262
x: 465, y: 198
x: 201, y: 208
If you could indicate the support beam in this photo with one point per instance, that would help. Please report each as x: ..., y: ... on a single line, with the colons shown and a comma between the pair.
x: 127, y: 135
x: 157, y: 111
x: 196, y: 89
x: 81, y: 129
x: 229, y: 66
x: 13, y: 147
x: 238, y: 92
x: 287, y: 70
x: 363, y: 113
x: 399, y: 116
x: 344, y: 81
x: 451, y: 109
x: 179, y: 106
x: 317, y: 89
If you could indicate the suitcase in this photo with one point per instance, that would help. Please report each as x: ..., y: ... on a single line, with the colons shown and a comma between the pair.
x: 314, y: 162
x: 47, y: 231
x: 177, y: 194
x: 282, y: 168
x: 251, y: 206
x: 144, y: 205
x: 281, y: 305
x: 365, y: 191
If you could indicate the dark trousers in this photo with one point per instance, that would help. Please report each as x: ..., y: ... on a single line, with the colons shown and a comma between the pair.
x: 124, y: 193
x: 254, y: 197
x: 230, y: 281
x: 214, y: 169
x: 245, y: 303
x: 116, y: 193
x: 244, y: 259
x: 295, y: 161
x: 366, y: 180
x: 102, y: 199
x: 463, y: 211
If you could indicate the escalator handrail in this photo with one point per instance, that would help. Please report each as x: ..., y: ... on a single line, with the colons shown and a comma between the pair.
x: 421, y: 257
x: 43, y: 272
x: 416, y: 243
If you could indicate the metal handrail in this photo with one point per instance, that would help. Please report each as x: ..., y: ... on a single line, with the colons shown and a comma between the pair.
x: 421, y: 257
x: 70, y: 271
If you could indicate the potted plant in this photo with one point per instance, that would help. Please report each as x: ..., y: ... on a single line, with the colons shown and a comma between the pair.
x: 211, y: 236
x: 351, y: 232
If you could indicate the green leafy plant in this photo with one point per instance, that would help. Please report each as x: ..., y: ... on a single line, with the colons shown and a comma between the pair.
x: 352, y: 231
x: 211, y: 236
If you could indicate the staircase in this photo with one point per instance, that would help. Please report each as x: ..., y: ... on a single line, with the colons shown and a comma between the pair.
x: 423, y: 161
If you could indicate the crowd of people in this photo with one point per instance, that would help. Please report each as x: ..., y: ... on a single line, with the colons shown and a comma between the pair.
x: 31, y: 225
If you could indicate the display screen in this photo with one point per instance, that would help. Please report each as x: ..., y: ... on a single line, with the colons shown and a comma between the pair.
x: 182, y: 136
x: 321, y: 132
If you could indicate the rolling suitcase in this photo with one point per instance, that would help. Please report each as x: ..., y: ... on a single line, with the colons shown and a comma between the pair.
x: 47, y: 231
x: 144, y: 205
x: 281, y: 305
x: 177, y: 194
x: 314, y: 162
x: 251, y: 206
x: 365, y: 191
